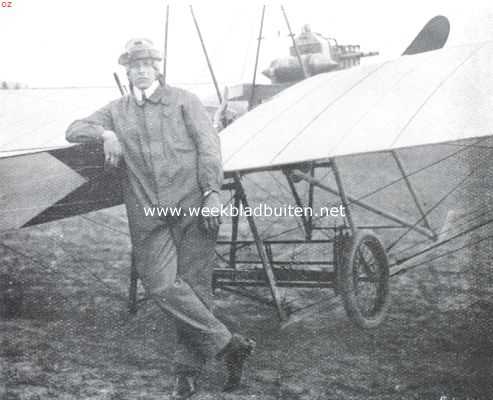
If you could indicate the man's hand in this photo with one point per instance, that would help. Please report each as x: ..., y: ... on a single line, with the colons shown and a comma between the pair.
x: 112, y: 149
x: 212, y: 202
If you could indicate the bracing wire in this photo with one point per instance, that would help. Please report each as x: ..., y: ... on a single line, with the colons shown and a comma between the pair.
x: 471, y: 229
x: 401, y: 178
x: 452, y: 229
x: 445, y: 197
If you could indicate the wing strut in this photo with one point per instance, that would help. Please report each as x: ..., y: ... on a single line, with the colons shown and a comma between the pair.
x: 354, y: 200
x: 266, y: 263
x: 398, y: 161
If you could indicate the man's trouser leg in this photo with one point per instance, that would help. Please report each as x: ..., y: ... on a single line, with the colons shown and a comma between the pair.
x: 175, y: 265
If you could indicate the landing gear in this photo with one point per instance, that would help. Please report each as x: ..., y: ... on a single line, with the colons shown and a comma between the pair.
x: 363, y: 279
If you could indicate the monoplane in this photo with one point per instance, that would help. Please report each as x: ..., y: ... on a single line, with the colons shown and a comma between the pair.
x: 429, y: 96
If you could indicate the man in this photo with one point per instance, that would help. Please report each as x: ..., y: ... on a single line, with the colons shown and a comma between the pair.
x: 172, y: 158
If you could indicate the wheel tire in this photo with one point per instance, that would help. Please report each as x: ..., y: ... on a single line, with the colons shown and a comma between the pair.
x: 349, y: 279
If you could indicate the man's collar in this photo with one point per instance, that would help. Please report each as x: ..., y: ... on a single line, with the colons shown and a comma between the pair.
x: 139, y: 94
x: 159, y: 92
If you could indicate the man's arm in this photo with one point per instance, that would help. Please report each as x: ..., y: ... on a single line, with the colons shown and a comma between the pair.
x: 206, y: 139
x: 92, y: 128
x: 97, y: 128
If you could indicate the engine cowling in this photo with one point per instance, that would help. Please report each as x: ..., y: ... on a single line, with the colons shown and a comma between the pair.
x: 288, y: 69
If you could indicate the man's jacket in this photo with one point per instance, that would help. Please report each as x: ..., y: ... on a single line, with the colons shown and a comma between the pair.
x: 171, y: 151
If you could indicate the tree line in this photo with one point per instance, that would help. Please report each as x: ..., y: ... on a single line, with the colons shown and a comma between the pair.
x: 6, y: 85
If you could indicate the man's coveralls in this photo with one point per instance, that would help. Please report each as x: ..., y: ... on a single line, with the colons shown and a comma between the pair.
x: 172, y: 156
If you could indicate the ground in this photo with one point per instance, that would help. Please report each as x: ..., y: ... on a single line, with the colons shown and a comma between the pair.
x: 74, y: 338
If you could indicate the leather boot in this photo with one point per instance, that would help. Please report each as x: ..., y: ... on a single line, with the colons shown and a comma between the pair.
x: 235, y: 354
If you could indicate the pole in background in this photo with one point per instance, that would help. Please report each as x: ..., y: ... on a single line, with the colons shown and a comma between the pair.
x: 206, y: 57
x: 295, y: 46
x: 118, y: 83
x: 254, y: 80
x: 165, y: 58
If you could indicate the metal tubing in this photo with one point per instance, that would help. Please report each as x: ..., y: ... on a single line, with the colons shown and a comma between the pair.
x: 288, y: 284
x: 271, y: 280
x: 318, y: 274
x: 366, y: 206
x: 234, y: 235
x: 224, y: 275
x: 298, y: 202
x: 268, y: 251
x: 285, y: 262
x: 411, y: 190
x: 310, y: 202
x: 292, y: 241
x: 342, y: 195
x: 323, y: 228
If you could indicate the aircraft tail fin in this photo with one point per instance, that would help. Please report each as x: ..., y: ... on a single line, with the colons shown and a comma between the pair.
x: 433, y: 36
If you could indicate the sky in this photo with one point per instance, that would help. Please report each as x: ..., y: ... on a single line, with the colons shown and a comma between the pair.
x: 58, y: 43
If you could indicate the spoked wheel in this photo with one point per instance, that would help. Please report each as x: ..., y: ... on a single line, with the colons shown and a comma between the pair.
x: 364, y: 280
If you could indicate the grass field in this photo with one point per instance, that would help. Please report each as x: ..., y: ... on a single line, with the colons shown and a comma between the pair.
x: 74, y: 338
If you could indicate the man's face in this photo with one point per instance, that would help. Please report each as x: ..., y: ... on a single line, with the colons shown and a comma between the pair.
x: 141, y: 73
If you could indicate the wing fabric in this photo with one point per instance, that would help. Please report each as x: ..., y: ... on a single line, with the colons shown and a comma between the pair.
x: 432, y: 97
x: 42, y: 177
x: 36, y: 119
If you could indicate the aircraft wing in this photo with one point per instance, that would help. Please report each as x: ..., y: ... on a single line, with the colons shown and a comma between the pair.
x: 42, y: 177
x: 34, y: 120
x: 432, y: 97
